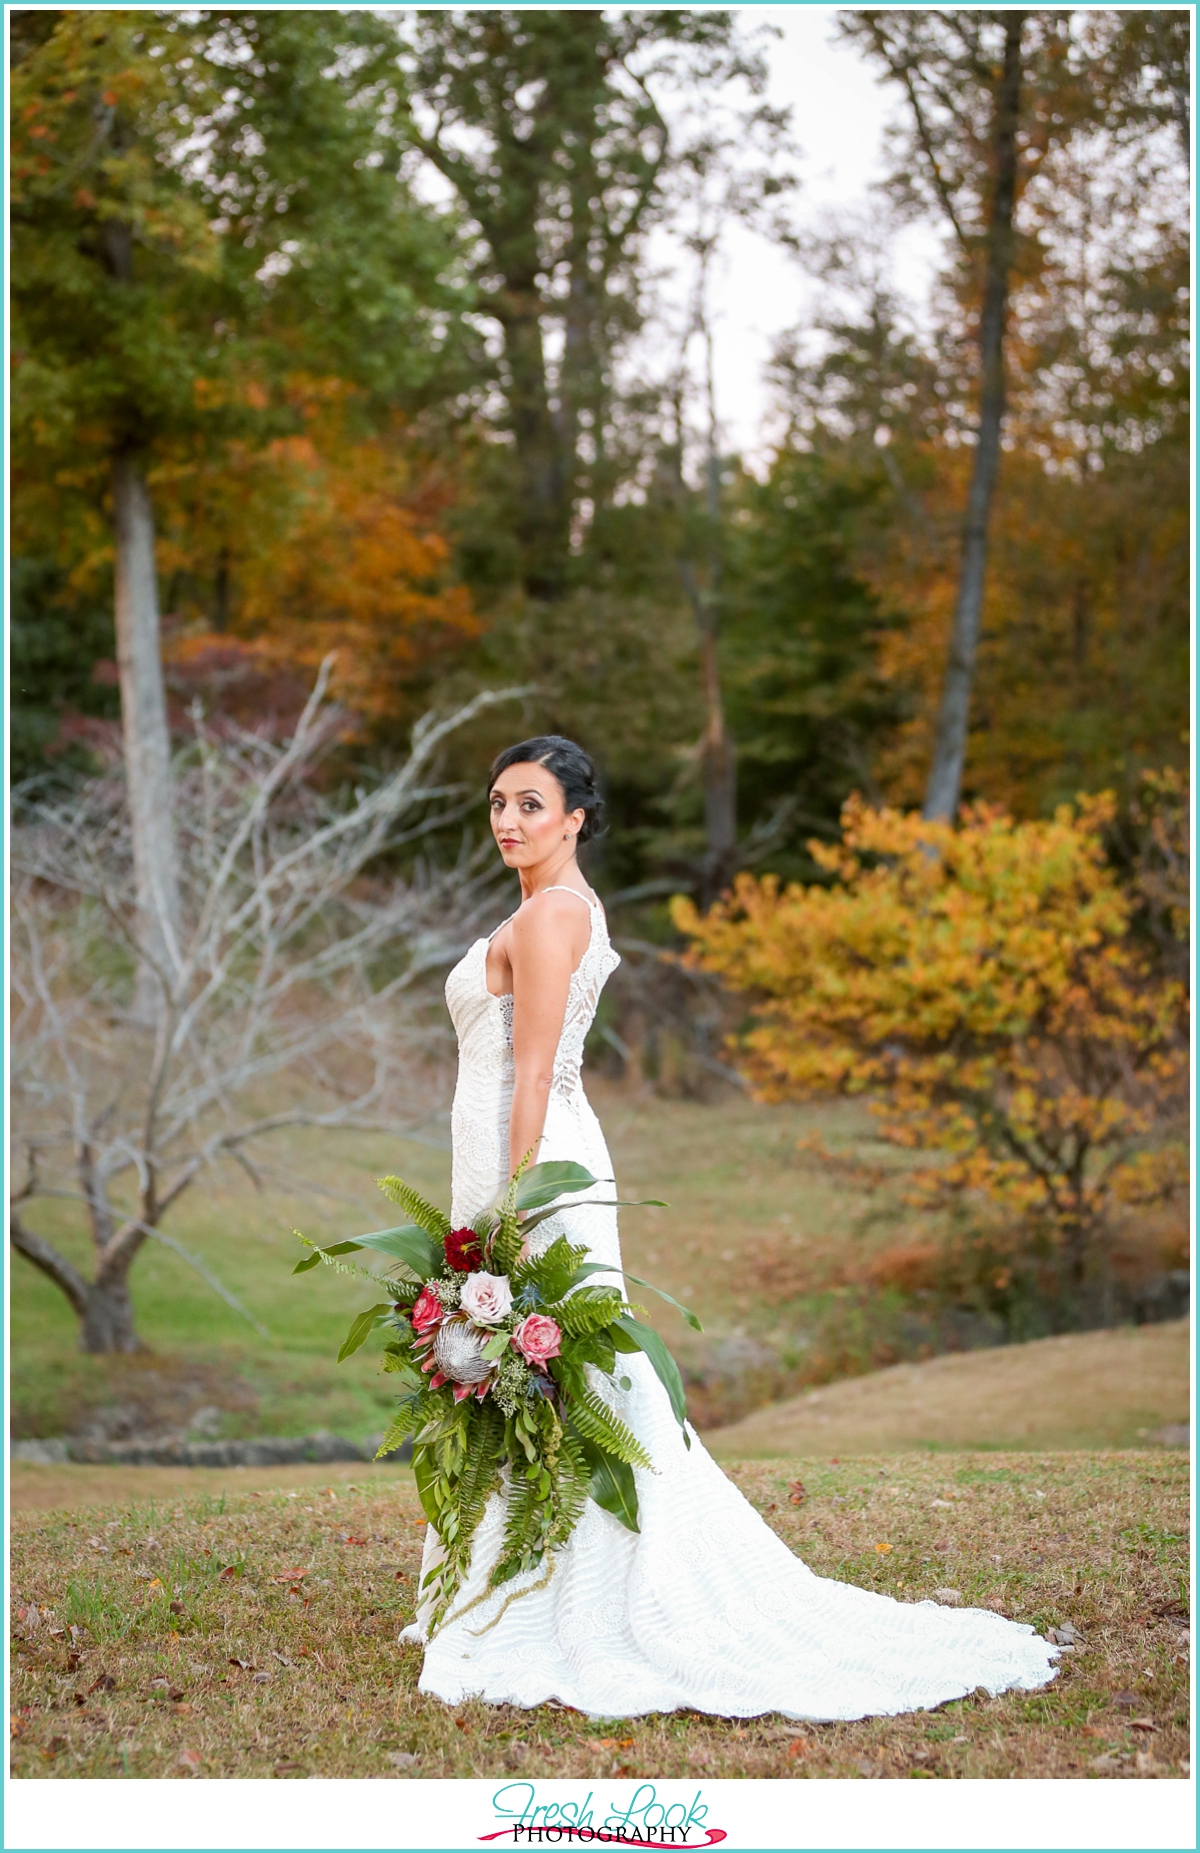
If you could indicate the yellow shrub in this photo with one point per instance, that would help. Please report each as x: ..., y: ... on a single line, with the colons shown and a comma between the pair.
x: 981, y: 983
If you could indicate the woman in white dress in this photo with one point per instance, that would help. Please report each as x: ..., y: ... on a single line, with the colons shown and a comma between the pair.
x: 704, y: 1608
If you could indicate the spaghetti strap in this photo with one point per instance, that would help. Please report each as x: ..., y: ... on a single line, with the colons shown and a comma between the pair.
x: 560, y: 887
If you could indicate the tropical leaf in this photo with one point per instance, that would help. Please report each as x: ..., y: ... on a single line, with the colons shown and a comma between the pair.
x: 595, y: 1348
x: 556, y: 1178
x: 361, y: 1330
x: 597, y: 1423
x: 410, y: 1244
x: 689, y: 1316
x: 594, y: 1203
x: 425, y: 1473
x: 318, y: 1254
x: 646, y: 1339
x: 425, y: 1214
x: 611, y: 1484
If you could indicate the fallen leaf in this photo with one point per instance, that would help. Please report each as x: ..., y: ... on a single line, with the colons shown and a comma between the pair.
x: 231, y: 1569
x: 950, y: 1598
x: 1142, y: 1724
x: 1126, y: 1701
x: 104, y: 1682
x: 798, y: 1745
x: 260, y: 1679
x: 797, y: 1492
x: 883, y: 1549
x: 51, y: 1750
x: 188, y: 1759
x: 177, y: 1608
x: 247, y: 1666
x: 288, y: 1769
x: 401, y: 1759
x: 1106, y: 1765
x: 964, y: 1739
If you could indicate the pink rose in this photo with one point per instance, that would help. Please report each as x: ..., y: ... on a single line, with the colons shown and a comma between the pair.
x: 487, y: 1298
x: 538, y: 1339
x: 427, y: 1311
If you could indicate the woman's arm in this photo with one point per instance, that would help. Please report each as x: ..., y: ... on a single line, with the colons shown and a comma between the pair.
x: 548, y: 940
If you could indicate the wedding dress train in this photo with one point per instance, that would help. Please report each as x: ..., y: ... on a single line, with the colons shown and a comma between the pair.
x: 705, y: 1608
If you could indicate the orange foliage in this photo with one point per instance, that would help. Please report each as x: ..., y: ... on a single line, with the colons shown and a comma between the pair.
x: 982, y: 984
x: 329, y: 542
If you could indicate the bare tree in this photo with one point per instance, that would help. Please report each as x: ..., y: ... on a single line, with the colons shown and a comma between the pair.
x: 293, y: 997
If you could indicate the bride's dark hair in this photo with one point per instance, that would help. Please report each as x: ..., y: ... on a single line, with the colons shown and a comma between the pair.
x: 571, y: 766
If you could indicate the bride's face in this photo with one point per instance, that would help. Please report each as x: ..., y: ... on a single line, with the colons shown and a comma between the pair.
x: 529, y: 820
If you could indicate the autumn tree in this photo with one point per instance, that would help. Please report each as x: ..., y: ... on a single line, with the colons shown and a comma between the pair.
x: 173, y: 177
x: 982, y: 987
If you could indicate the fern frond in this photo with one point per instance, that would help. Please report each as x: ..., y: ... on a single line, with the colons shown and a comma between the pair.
x: 506, y: 1244
x: 523, y: 1531
x: 425, y: 1214
x: 587, y: 1310
x: 552, y: 1271
x: 573, y: 1480
x: 595, y: 1420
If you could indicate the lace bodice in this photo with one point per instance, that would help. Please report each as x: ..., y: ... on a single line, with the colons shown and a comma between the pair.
x: 483, y: 1023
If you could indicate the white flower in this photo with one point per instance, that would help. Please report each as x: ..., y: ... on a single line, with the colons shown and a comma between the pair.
x: 457, y: 1351
x: 487, y: 1297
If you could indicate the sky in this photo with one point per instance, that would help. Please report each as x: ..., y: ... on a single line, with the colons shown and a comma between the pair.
x: 839, y: 113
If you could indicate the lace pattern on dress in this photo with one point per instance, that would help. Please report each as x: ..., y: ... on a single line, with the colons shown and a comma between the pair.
x: 704, y: 1607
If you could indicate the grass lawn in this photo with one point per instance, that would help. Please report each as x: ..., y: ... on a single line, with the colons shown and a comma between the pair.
x: 253, y: 1634
x: 730, y: 1174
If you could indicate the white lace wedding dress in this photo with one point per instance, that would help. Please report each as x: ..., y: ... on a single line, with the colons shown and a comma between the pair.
x: 706, y: 1608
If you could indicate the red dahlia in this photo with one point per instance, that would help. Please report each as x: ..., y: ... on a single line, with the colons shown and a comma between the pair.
x: 464, y: 1250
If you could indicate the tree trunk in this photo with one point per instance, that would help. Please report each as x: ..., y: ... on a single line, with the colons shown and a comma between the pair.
x: 542, y: 513
x: 103, y: 1306
x: 107, y: 1323
x: 950, y: 739
x: 717, y: 749
x: 146, y: 734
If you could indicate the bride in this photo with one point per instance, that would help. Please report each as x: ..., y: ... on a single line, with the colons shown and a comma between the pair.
x: 704, y: 1608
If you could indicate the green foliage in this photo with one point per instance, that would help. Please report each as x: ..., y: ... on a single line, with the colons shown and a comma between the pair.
x: 807, y: 698
x: 612, y: 1484
x: 552, y: 1272
x: 587, y: 1310
x: 597, y: 1423
x: 434, y: 1222
x: 362, y: 1328
x: 59, y: 639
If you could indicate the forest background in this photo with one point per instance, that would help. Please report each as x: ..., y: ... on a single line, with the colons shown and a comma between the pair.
x: 335, y: 341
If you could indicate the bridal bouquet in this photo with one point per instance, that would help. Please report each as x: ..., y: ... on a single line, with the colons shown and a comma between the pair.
x: 492, y: 1347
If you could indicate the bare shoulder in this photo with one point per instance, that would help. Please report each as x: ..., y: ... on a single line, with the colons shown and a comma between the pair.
x: 553, y: 919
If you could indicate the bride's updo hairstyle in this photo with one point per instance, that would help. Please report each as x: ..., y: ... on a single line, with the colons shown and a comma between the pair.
x: 572, y: 768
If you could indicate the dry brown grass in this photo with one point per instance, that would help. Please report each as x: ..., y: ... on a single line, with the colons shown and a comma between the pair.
x: 256, y: 1634
x: 1083, y: 1390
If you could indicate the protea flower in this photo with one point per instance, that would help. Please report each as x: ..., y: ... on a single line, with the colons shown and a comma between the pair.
x: 458, y: 1348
